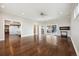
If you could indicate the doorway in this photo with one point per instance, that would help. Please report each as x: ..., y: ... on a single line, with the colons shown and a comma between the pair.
x: 12, y: 35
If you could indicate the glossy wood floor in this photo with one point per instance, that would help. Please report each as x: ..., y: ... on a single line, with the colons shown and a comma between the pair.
x: 45, y: 45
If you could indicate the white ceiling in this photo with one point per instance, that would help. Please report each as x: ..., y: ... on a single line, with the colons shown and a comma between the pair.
x: 32, y: 10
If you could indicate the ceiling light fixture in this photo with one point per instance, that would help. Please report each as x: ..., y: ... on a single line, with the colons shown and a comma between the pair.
x: 43, y: 14
x: 22, y: 13
x: 61, y: 13
x: 2, y: 6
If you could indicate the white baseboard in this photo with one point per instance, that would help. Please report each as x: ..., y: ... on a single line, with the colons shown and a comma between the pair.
x: 26, y: 35
x: 75, y: 47
x: 1, y: 39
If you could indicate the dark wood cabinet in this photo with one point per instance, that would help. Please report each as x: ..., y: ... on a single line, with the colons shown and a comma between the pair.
x: 64, y: 31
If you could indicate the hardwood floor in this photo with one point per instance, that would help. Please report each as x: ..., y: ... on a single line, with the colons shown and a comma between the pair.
x: 46, y: 45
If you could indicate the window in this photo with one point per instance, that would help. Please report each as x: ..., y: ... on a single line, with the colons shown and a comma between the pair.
x: 76, y: 11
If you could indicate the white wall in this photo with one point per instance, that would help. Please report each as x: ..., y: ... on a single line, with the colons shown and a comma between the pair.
x: 75, y: 33
x: 62, y: 21
x: 26, y: 25
x: 27, y: 28
x: 75, y: 29
x: 1, y: 29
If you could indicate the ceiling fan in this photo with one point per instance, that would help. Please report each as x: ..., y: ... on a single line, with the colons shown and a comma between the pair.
x: 43, y: 14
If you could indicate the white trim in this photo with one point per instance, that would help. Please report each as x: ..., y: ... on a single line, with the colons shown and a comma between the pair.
x: 26, y: 35
x: 75, y: 47
x: 3, y: 29
x: 1, y: 39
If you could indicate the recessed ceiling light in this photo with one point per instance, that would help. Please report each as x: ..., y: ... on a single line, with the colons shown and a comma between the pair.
x: 22, y: 13
x: 61, y: 13
x: 2, y: 6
